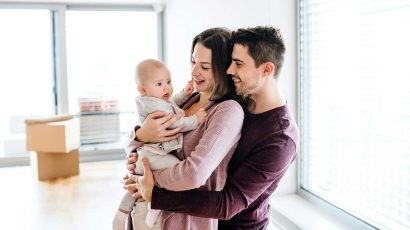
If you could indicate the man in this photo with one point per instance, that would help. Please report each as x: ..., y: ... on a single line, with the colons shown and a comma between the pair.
x: 267, y: 146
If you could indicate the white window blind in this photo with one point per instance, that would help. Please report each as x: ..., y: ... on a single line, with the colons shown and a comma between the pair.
x: 355, y: 107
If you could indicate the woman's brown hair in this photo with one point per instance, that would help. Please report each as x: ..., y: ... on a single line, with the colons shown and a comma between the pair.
x: 219, y: 42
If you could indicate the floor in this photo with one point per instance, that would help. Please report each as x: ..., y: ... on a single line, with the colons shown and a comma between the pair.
x: 87, y: 201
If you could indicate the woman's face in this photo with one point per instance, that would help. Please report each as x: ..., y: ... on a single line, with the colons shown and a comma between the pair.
x: 201, y: 67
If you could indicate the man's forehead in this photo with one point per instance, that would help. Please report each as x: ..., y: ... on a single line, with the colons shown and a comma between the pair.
x: 240, y: 51
x: 241, y: 47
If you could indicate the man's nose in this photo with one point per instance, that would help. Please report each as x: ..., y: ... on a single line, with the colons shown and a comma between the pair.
x: 230, y: 70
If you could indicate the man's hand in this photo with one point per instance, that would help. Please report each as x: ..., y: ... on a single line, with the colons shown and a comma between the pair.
x: 131, y: 186
x: 132, y: 162
x: 154, y: 128
x: 145, y: 183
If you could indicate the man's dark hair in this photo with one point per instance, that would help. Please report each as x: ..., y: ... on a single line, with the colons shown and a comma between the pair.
x: 265, y: 44
x: 219, y: 42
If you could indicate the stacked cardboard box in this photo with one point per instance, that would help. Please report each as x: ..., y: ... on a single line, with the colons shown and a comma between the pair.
x: 54, y: 144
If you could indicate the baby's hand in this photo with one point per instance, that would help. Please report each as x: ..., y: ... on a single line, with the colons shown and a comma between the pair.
x: 200, y: 115
x: 189, y: 88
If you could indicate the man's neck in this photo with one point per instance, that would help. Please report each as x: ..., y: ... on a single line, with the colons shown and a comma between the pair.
x: 268, y: 98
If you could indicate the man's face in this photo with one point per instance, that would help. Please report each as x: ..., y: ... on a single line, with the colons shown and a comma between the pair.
x: 245, y: 75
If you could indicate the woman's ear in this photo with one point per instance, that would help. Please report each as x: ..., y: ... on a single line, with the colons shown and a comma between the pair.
x: 269, y: 69
x: 141, y: 89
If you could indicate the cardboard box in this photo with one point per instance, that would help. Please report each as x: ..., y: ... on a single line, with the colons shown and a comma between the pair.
x: 59, y: 134
x: 54, y: 165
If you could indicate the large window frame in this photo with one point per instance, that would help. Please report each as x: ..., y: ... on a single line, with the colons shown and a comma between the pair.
x: 317, y: 201
x: 57, y: 14
x: 341, y: 215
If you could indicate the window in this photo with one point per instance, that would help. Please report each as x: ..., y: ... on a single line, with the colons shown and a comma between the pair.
x: 101, y: 60
x: 26, y: 77
x: 100, y: 68
x: 355, y: 107
x: 59, y: 58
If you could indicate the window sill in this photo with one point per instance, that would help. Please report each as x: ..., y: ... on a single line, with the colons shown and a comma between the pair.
x: 292, y: 212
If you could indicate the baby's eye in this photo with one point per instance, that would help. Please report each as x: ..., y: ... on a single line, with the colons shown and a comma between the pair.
x: 169, y: 82
x: 158, y: 84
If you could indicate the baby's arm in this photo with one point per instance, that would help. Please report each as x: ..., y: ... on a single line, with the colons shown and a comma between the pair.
x: 191, y: 122
x: 183, y: 95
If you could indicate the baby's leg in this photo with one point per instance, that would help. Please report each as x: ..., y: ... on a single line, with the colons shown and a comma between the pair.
x: 121, y: 215
x: 153, y: 217
x: 138, y: 214
x: 156, y: 161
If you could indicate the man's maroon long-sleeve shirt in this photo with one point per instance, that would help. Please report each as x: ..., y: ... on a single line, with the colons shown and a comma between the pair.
x: 267, y: 147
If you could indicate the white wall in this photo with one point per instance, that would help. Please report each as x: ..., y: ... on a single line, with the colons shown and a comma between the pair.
x: 186, y: 18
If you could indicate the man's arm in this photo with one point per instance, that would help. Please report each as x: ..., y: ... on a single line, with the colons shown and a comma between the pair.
x: 258, y: 171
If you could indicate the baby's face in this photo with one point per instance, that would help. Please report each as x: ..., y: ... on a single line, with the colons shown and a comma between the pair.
x: 159, y: 85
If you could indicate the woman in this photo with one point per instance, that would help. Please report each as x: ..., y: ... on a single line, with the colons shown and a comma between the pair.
x: 207, y: 149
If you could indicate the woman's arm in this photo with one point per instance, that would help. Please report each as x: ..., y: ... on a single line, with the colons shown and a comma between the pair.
x: 155, y: 129
x: 221, y: 135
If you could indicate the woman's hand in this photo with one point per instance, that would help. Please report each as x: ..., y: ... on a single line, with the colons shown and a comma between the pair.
x: 144, y: 184
x: 154, y: 128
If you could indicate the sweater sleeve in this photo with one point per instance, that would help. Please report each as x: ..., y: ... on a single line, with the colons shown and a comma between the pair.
x: 221, y: 134
x: 263, y: 167
x: 190, y: 123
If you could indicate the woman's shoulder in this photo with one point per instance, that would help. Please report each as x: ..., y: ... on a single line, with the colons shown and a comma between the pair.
x: 229, y: 106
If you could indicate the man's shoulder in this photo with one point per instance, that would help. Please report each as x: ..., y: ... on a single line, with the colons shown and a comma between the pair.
x: 274, y: 124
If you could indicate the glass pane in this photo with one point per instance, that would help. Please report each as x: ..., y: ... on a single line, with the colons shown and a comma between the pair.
x: 103, y: 48
x: 26, y: 77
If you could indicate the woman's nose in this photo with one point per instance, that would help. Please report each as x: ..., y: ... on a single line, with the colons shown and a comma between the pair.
x: 194, y: 70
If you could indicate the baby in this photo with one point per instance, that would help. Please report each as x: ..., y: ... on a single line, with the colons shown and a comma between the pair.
x: 154, y: 84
